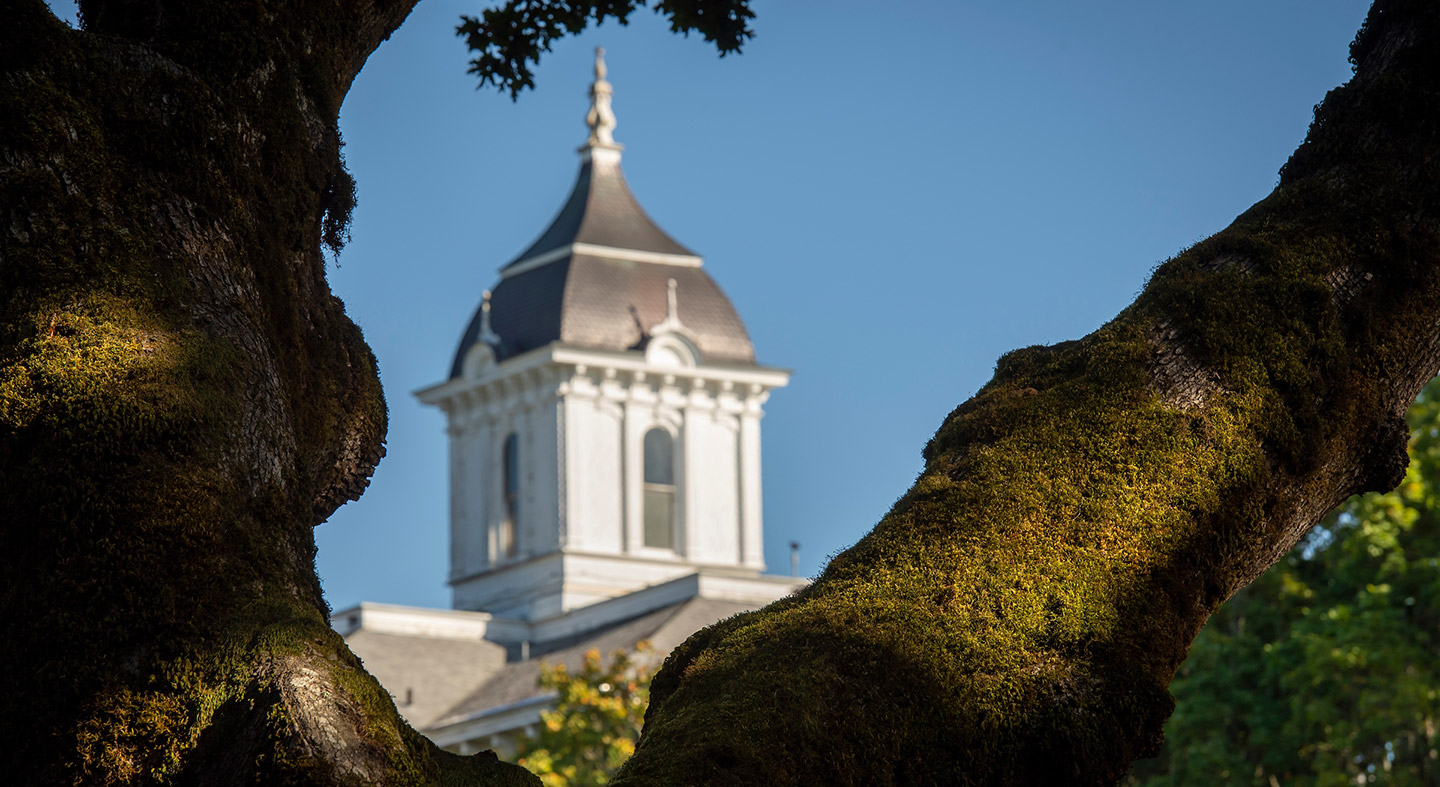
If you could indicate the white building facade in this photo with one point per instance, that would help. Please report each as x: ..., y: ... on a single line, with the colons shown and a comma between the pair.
x: 578, y: 475
x: 603, y: 412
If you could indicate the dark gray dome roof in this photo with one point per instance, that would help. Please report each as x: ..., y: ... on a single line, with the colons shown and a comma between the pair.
x: 597, y: 278
x: 602, y: 211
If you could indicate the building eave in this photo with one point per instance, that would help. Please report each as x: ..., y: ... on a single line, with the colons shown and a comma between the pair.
x: 491, y: 721
x: 756, y: 376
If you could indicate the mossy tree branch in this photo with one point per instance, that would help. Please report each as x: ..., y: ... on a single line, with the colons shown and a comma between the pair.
x: 1017, y: 617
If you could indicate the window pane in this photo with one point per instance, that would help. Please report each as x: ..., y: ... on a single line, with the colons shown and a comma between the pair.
x: 505, y: 538
x: 660, y: 518
x: 659, y: 457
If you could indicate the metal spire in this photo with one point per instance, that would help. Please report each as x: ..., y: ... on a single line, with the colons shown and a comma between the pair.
x: 486, y: 334
x: 601, y: 118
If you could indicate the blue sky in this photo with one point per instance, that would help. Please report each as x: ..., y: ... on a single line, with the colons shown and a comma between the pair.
x: 893, y: 194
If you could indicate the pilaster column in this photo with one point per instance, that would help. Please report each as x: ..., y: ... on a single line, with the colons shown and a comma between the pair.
x: 632, y: 471
x: 479, y: 489
x: 460, y: 525
x: 692, y: 468
x: 752, y: 540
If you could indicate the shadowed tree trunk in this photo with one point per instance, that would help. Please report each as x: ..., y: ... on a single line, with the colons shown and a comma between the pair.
x: 182, y: 400
x: 1017, y: 617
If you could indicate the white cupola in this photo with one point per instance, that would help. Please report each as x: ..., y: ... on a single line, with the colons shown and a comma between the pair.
x: 603, y: 411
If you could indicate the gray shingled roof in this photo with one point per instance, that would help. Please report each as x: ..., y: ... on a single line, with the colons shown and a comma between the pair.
x: 432, y: 671
x: 601, y: 210
x: 606, y: 302
x: 664, y: 628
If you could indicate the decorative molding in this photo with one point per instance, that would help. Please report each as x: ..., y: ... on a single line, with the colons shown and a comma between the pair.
x: 595, y: 250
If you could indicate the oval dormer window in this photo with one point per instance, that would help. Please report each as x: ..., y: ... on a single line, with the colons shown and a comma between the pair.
x: 666, y: 356
x: 671, y: 350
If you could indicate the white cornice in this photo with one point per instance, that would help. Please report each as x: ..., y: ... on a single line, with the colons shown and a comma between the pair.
x: 595, y: 250
x: 626, y: 361
x: 760, y: 378
x: 412, y: 621
x: 510, y: 367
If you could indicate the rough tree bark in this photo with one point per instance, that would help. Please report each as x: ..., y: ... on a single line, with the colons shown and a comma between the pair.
x: 1017, y: 616
x: 181, y: 400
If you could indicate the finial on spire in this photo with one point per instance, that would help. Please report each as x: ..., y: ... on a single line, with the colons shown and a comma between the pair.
x: 671, y: 323
x: 601, y: 118
x: 487, y: 335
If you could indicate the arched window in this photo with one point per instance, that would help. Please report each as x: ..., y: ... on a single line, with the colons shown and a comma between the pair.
x: 659, y: 489
x: 505, y: 535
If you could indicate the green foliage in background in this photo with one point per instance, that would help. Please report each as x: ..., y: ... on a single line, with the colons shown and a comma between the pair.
x: 1326, y: 670
x: 596, y: 720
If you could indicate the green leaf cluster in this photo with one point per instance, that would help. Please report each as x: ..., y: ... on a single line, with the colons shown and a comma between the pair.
x: 507, y: 41
x: 592, y: 729
x: 1326, y: 670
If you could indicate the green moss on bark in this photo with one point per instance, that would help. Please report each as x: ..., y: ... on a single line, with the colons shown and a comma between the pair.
x: 1016, y: 618
x: 181, y: 401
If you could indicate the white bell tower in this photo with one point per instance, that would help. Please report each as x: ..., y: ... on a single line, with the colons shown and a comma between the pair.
x: 603, y: 413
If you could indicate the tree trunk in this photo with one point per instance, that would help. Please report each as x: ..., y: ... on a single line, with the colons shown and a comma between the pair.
x: 1017, y: 616
x: 182, y: 400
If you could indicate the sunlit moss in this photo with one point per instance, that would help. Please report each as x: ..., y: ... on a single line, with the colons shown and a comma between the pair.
x: 181, y: 402
x: 1017, y: 616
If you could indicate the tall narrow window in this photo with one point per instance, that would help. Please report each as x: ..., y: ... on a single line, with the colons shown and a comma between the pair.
x: 505, y: 537
x: 659, y: 489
